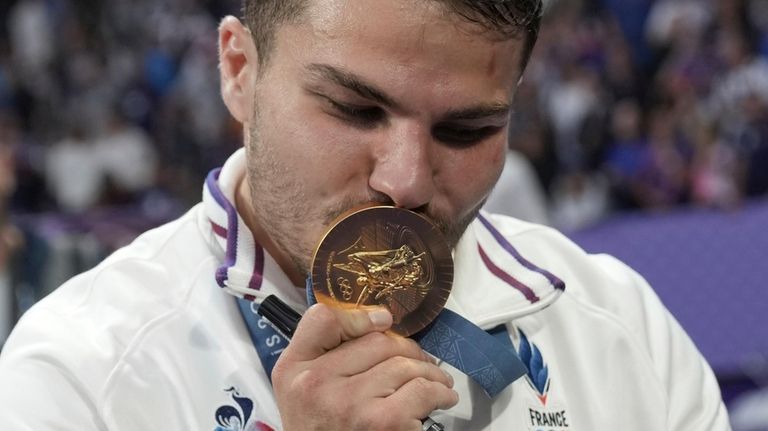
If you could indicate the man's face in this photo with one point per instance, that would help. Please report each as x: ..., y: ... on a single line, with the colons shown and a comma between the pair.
x: 396, y: 102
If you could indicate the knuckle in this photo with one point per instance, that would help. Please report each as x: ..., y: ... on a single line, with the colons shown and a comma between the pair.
x: 321, y: 315
x: 412, y: 348
x: 422, y: 384
x: 404, y: 365
x: 411, y: 344
x: 280, y: 373
x: 378, y: 340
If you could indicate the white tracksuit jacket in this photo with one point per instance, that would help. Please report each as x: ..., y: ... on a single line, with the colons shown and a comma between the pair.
x: 148, y: 340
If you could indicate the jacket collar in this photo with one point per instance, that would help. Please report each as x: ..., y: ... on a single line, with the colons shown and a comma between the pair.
x: 247, y: 270
x: 493, y: 281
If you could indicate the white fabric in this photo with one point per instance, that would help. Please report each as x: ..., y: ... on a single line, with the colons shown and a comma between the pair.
x: 147, y: 340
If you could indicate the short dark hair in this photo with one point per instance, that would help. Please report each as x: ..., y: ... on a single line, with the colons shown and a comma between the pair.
x: 507, y: 18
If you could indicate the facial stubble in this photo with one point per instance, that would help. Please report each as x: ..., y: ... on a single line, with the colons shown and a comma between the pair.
x: 282, y: 206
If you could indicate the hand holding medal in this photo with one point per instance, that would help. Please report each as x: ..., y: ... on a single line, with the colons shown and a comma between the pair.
x: 374, y: 258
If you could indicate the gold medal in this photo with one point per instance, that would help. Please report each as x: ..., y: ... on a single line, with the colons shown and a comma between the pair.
x: 385, y: 256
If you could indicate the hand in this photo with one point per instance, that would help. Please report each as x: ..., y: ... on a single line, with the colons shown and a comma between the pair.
x: 341, y: 372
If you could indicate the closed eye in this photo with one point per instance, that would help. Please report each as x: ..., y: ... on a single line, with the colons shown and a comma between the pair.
x: 365, y: 117
x: 455, y: 135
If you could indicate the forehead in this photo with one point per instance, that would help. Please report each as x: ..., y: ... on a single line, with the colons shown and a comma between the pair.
x: 404, y: 42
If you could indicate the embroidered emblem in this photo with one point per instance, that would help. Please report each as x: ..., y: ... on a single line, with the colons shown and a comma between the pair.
x: 538, y: 372
x: 235, y: 417
x: 552, y: 417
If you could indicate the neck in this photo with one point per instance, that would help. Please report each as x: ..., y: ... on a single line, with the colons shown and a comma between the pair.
x: 244, y: 205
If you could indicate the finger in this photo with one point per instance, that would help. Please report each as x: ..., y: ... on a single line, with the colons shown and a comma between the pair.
x: 323, y: 328
x: 419, y: 397
x: 361, y: 354
x: 387, y: 377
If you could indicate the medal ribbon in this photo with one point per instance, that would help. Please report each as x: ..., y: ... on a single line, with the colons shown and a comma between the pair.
x: 268, y: 342
x: 489, y: 360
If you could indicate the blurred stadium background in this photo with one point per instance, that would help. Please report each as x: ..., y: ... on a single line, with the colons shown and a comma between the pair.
x: 641, y: 129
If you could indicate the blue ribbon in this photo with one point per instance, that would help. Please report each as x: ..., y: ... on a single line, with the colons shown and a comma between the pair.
x: 490, y: 362
x: 268, y: 342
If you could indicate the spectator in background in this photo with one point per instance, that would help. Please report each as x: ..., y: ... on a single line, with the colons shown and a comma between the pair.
x: 739, y: 104
x: 574, y: 99
x: 714, y: 171
x: 127, y: 159
x: 627, y: 155
x: 745, y: 75
x: 753, y: 143
x: 74, y: 173
x: 670, y: 20
x: 31, y: 37
x: 758, y: 12
x: 518, y: 192
x: 579, y: 199
x: 664, y: 178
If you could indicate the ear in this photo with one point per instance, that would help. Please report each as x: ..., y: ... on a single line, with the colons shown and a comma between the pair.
x: 238, y: 67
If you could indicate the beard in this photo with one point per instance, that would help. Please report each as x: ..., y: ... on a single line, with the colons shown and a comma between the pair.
x: 286, y: 213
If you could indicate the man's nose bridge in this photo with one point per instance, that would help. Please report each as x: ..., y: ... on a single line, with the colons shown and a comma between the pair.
x: 408, y: 147
x: 412, y: 156
x: 404, y: 168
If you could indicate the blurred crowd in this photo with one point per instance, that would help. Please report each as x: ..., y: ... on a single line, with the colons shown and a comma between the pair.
x: 110, y: 116
x: 627, y: 104
x: 646, y: 105
x: 103, y: 102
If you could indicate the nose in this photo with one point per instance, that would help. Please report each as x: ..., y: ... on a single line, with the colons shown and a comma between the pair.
x: 403, y: 168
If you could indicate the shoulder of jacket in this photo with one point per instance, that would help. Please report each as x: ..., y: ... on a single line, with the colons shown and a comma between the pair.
x: 599, y: 282
x: 86, y: 325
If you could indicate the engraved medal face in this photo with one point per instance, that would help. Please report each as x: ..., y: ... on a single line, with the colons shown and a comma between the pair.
x: 385, y: 256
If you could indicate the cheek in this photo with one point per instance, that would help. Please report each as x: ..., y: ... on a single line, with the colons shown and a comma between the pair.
x: 322, y: 157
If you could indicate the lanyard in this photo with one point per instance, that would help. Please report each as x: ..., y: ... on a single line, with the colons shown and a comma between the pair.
x: 268, y: 342
x: 488, y: 358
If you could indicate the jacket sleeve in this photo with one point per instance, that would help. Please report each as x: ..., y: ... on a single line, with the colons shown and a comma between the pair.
x: 39, y: 389
x: 693, y: 395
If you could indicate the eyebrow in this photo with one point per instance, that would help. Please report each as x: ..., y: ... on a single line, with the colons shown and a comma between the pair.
x: 358, y: 85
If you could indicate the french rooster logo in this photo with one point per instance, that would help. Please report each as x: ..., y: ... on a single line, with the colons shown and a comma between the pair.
x: 538, y: 373
x: 235, y: 418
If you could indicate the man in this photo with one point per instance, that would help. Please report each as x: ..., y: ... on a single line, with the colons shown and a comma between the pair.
x: 345, y: 103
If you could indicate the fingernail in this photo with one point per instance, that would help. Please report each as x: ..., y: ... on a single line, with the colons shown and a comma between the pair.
x: 380, y: 318
x: 450, y: 377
